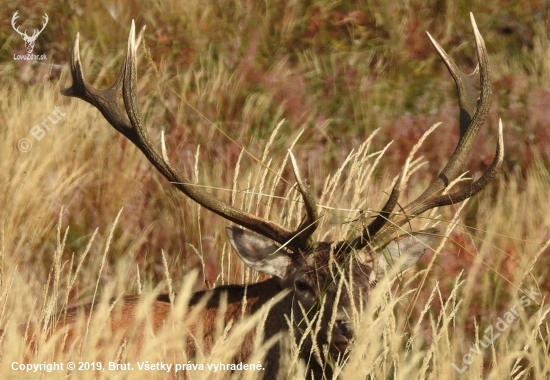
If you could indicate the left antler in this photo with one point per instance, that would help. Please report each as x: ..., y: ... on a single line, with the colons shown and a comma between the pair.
x: 471, y: 119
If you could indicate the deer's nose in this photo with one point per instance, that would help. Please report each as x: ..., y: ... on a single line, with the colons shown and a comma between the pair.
x: 344, y: 328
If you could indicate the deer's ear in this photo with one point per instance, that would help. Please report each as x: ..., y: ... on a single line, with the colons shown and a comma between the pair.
x: 403, y: 252
x: 258, y: 252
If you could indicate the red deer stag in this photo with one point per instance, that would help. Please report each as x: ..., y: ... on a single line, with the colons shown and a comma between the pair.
x: 298, y: 264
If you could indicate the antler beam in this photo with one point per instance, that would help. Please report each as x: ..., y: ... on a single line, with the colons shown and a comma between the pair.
x: 130, y: 124
x: 471, y: 119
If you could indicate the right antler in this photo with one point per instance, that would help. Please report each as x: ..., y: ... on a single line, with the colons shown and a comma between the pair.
x: 470, y: 120
x: 130, y: 125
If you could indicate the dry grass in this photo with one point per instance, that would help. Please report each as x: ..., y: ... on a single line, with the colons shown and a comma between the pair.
x: 315, y: 78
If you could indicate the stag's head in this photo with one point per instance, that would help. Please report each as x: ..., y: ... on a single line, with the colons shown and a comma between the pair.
x: 29, y: 40
x: 327, y: 280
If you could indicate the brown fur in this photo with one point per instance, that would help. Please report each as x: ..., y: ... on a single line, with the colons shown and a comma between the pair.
x: 317, y: 270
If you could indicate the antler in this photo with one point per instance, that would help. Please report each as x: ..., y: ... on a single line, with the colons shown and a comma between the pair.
x: 130, y: 124
x: 470, y: 120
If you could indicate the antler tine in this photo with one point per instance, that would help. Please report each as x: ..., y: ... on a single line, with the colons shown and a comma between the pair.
x: 478, y: 185
x: 106, y: 101
x: 309, y: 224
x: 380, y: 220
x: 131, y: 126
x: 468, y: 94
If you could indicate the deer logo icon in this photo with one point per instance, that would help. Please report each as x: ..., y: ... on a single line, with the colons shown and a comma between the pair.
x: 29, y: 40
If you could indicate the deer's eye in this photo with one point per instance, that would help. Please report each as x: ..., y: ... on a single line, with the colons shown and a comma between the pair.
x: 302, y: 286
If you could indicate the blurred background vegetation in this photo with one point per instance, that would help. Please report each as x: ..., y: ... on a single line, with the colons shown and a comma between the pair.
x: 339, y: 69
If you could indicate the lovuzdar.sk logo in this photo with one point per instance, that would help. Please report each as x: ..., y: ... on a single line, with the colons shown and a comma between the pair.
x: 29, y: 40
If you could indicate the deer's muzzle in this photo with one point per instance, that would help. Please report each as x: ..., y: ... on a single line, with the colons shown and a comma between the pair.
x: 342, y: 334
